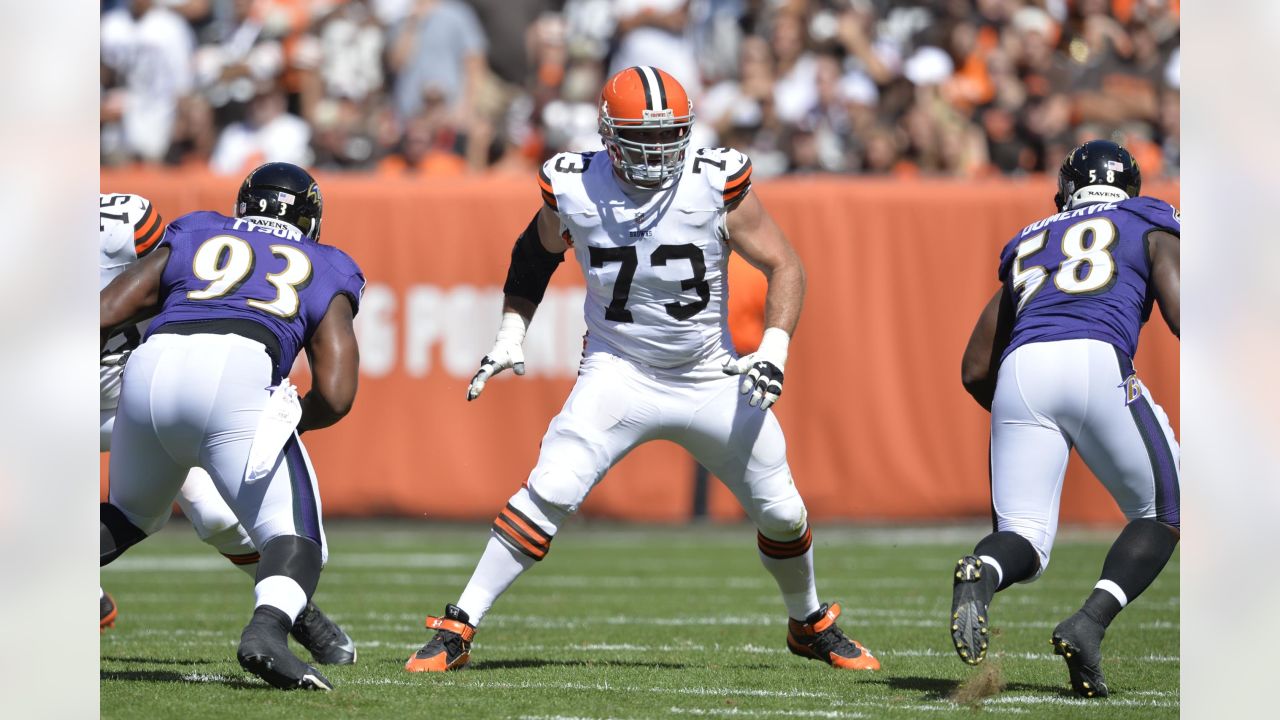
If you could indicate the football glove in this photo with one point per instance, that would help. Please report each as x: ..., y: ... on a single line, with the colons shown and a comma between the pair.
x: 762, y: 369
x: 507, y: 352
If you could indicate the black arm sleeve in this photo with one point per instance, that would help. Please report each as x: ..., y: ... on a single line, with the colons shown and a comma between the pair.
x: 531, y: 266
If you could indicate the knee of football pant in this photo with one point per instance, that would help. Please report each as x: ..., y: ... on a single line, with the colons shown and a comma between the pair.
x: 782, y: 519
x: 230, y: 541
x: 560, y: 486
x: 1034, y: 534
x: 545, y: 514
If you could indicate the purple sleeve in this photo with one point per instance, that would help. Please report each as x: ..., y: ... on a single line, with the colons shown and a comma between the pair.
x: 351, y: 279
x: 1156, y: 213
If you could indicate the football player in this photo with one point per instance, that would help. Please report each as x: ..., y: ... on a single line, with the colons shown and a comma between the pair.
x: 233, y: 300
x: 651, y: 226
x: 129, y: 227
x: 1051, y: 358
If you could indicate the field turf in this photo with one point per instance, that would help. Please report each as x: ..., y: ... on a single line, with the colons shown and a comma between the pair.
x: 631, y: 622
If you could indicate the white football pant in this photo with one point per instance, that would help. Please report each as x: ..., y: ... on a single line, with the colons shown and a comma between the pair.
x: 195, y: 401
x: 616, y: 405
x: 1052, y: 396
x: 212, y: 520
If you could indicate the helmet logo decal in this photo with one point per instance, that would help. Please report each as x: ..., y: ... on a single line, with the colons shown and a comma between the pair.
x: 655, y: 94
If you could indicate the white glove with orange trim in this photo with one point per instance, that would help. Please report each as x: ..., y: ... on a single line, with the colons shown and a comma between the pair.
x: 507, y: 352
x: 762, y: 368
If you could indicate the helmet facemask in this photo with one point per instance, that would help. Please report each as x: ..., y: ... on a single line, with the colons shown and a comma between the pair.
x: 647, y: 151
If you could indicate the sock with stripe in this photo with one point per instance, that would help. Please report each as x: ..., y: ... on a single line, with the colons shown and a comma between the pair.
x: 521, y: 536
x: 790, y: 562
x: 1133, y: 563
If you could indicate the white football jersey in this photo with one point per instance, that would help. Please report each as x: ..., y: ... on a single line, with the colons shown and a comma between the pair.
x: 655, y: 261
x: 128, y: 228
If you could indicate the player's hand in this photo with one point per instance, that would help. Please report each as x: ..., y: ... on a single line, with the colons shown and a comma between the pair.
x: 762, y: 369
x: 761, y: 378
x: 503, y: 355
x: 114, y: 359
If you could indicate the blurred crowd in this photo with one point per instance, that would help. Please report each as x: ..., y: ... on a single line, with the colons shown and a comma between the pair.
x: 962, y: 88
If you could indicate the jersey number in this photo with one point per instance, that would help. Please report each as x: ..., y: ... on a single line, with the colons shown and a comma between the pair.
x: 617, y: 310
x: 225, y: 261
x: 1087, y: 269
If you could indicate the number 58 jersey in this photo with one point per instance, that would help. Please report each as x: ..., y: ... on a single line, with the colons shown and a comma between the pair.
x: 654, y: 260
x: 257, y: 269
x: 1085, y: 273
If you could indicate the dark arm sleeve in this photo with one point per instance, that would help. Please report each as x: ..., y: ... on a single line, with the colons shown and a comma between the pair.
x: 531, y: 266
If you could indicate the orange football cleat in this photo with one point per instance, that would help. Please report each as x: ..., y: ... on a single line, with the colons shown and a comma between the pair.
x: 819, y: 638
x: 449, y: 648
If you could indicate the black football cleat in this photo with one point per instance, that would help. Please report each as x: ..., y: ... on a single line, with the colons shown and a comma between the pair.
x: 264, y: 651
x: 1078, y: 639
x: 450, y: 648
x: 327, y: 643
x: 971, y: 595
x: 106, y: 612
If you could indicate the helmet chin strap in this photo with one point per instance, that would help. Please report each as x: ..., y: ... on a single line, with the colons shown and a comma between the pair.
x: 1096, y: 193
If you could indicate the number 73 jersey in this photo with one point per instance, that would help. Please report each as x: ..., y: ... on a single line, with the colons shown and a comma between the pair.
x: 1085, y: 273
x: 654, y: 260
x: 257, y: 269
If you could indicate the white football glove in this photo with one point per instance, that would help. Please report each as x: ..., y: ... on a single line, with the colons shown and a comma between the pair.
x: 762, y: 369
x: 507, y: 352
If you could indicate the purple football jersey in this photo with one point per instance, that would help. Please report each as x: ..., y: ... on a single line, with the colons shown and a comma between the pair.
x: 1084, y: 273
x: 257, y: 269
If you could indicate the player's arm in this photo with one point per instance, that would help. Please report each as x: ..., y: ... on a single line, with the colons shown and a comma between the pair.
x: 335, y: 363
x: 990, y: 337
x: 132, y: 296
x: 757, y: 238
x: 1163, y: 248
x: 534, y: 258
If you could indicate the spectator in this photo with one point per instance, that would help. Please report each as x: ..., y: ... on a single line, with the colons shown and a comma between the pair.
x: 439, y: 48
x: 652, y: 32
x: 146, y: 68
x: 267, y: 134
x: 941, y: 87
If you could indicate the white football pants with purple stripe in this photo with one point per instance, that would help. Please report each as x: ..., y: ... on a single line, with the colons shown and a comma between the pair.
x: 194, y: 401
x: 1052, y: 396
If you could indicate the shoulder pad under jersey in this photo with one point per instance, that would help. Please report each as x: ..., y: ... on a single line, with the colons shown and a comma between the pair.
x: 1158, y: 213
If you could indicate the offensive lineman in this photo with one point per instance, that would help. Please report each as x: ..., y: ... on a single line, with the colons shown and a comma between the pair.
x: 652, y: 234
x: 1051, y: 358
x: 234, y: 300
x: 129, y: 227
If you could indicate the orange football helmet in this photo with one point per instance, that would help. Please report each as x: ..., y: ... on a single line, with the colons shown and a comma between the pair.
x: 645, y: 118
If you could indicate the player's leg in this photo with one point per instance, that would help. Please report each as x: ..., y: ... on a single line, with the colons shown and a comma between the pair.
x: 1028, y: 461
x: 217, y: 525
x: 1127, y: 442
x: 145, y: 468
x: 745, y: 448
x: 107, y: 610
x: 214, y: 521
x: 607, y: 413
x: 281, y: 512
x: 143, y: 474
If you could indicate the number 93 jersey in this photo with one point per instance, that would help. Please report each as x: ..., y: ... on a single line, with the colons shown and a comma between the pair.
x: 1085, y: 273
x: 655, y: 261
x: 257, y: 269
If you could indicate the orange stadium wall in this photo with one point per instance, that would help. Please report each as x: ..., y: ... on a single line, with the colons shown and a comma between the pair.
x: 878, y: 426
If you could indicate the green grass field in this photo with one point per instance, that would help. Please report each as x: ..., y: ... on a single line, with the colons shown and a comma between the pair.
x: 629, y: 622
